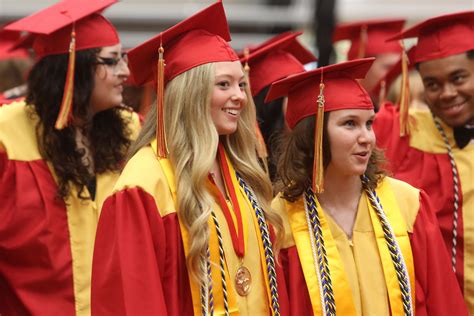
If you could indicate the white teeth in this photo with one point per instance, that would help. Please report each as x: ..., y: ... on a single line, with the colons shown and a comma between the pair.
x: 231, y: 111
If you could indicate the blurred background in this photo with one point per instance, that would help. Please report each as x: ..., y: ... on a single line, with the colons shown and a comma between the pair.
x: 253, y: 21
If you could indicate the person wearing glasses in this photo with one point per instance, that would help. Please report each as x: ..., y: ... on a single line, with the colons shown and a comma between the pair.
x: 61, y: 151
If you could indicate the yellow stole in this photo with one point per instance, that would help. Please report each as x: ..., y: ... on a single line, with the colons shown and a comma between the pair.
x: 342, y: 291
x: 214, y: 246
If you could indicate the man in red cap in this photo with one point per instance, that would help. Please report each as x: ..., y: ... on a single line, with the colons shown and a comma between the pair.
x: 359, y: 242
x: 368, y: 39
x: 437, y: 155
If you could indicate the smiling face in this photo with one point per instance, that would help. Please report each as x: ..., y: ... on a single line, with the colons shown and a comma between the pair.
x: 228, y: 96
x: 351, y: 141
x: 449, y: 88
x: 109, y: 79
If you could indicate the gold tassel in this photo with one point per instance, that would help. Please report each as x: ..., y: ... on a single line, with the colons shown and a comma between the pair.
x: 362, y: 41
x: 162, y: 147
x: 404, y: 103
x: 318, y: 172
x: 65, y: 111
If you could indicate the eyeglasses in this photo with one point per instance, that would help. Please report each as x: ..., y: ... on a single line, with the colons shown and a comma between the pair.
x: 113, y: 62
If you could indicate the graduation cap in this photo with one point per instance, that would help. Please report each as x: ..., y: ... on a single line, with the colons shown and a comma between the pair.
x: 325, y: 89
x: 7, y: 41
x: 200, y: 39
x: 66, y: 27
x: 368, y: 38
x: 441, y: 36
x: 278, y: 57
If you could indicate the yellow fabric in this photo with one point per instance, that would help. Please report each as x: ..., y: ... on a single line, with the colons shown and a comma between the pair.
x: 17, y: 132
x: 158, y: 179
x: 82, y: 215
x: 399, y: 228
x: 356, y: 265
x: 425, y: 139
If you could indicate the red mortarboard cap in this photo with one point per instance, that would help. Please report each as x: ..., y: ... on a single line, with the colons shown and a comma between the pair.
x: 368, y: 38
x: 277, y: 58
x: 66, y: 27
x: 51, y: 27
x: 200, y: 39
x: 7, y: 41
x: 341, y: 90
x: 442, y: 36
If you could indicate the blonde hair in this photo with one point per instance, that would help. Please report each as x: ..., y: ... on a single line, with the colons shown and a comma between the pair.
x: 192, y: 142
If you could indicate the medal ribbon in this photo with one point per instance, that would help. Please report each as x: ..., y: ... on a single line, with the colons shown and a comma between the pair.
x: 238, y: 241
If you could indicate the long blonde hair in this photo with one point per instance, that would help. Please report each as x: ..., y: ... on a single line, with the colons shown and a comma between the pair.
x: 192, y: 142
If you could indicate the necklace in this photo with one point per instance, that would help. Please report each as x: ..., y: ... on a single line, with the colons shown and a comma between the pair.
x: 455, y: 173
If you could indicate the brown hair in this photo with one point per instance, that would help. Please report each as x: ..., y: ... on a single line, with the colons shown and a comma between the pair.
x: 295, y: 152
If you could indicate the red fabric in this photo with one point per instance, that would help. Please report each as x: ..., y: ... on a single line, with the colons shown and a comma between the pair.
x: 426, y: 171
x: 276, y: 58
x: 377, y: 33
x: 139, y: 267
x: 442, y: 36
x: 341, y: 90
x: 52, y: 27
x: 298, y: 295
x: 199, y: 39
x: 35, y: 256
x: 437, y: 293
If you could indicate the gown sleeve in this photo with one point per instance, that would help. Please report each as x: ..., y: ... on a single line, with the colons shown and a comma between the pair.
x: 298, y: 294
x: 138, y: 267
x: 437, y: 291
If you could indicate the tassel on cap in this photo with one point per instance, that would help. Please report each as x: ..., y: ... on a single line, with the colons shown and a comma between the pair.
x: 318, y: 170
x: 65, y: 111
x: 362, y: 41
x: 162, y: 148
x: 404, y: 102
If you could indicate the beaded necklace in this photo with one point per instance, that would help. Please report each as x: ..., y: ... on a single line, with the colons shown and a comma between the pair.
x: 455, y: 173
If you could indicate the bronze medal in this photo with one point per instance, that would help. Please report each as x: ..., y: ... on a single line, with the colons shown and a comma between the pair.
x: 243, y: 281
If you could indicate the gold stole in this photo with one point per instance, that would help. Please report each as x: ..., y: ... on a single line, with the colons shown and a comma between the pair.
x: 214, y: 247
x: 340, y: 283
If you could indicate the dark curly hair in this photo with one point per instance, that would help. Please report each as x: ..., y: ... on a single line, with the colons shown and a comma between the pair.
x: 271, y: 121
x: 296, y: 154
x: 107, y: 131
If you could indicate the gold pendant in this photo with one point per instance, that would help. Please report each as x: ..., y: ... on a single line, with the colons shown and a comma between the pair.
x: 243, y: 281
